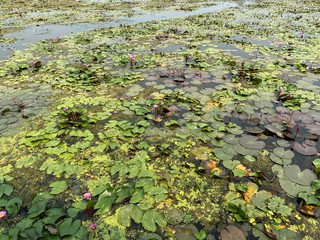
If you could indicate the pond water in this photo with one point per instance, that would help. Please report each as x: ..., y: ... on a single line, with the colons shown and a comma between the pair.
x: 37, y: 33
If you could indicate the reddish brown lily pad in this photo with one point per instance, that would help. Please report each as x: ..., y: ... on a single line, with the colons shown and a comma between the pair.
x: 305, y: 149
x: 232, y: 233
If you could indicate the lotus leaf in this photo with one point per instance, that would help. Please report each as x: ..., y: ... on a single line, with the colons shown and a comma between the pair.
x: 250, y: 158
x: 234, y: 130
x: 201, y: 235
x: 282, y: 233
x: 251, y: 142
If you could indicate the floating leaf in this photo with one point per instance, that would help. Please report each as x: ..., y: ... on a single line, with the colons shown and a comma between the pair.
x: 282, y: 153
x: 281, y: 161
x: 251, y: 142
x: 150, y: 218
x: 316, y: 163
x: 137, y: 195
x: 69, y: 227
x: 274, y: 129
x: 244, y: 151
x: 25, y: 161
x: 38, y: 204
x: 231, y: 139
x: 58, y: 187
x: 283, y: 143
x: 105, y: 201
x: 305, y: 149
x: 201, y: 235
x: 294, y: 174
x: 232, y: 233
x: 13, y: 205
x: 221, y: 155
x: 309, y: 199
x: 292, y: 188
x: 53, y: 214
x: 259, y: 200
x: 5, y: 189
x: 150, y: 236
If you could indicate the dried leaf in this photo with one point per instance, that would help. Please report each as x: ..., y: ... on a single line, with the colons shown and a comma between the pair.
x: 310, y: 210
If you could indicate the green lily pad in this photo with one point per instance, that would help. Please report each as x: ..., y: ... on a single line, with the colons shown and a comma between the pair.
x: 221, y: 155
x: 283, y: 143
x: 231, y: 139
x: 281, y: 161
x: 282, y: 153
x: 294, y: 174
x: 230, y: 164
x: 244, y: 151
x: 228, y: 149
x: 251, y: 142
x: 58, y: 187
x: 259, y: 200
x: 292, y: 188
x: 235, y: 131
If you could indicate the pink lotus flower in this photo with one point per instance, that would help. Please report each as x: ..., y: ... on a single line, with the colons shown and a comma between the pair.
x: 132, y: 57
x: 87, y: 196
x: 3, y: 214
x: 93, y: 226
